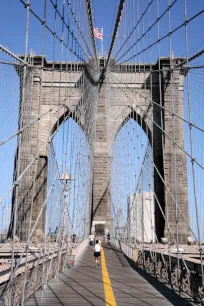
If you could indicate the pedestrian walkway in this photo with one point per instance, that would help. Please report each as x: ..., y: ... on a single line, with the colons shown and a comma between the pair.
x: 114, y: 283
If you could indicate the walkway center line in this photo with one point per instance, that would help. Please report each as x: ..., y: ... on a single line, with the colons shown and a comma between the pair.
x: 109, y: 295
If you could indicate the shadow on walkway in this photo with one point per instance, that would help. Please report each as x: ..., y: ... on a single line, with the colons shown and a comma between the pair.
x: 167, y: 292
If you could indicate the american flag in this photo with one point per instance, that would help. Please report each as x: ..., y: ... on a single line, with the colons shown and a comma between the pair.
x: 98, y: 34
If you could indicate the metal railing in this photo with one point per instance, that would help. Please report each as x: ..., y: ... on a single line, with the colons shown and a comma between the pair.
x: 36, y: 268
x: 185, y: 280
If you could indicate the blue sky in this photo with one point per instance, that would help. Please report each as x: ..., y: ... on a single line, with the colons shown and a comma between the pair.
x: 12, y: 25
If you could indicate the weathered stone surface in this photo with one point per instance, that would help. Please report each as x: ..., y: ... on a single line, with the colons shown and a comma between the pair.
x: 130, y: 94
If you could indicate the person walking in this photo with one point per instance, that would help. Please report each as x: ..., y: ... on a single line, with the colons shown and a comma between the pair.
x: 91, y: 240
x: 108, y: 237
x: 99, y: 239
x: 97, y: 253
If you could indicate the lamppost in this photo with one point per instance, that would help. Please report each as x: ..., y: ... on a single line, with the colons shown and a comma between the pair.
x: 66, y: 179
x: 84, y: 219
x: 119, y: 214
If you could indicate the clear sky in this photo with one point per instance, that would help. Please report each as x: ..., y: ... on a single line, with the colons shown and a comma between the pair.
x: 12, y: 24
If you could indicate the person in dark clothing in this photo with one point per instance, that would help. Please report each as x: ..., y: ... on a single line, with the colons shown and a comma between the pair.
x: 108, y: 237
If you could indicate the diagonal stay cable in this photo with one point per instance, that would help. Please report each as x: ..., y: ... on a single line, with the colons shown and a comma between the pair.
x: 150, y: 27
x: 27, y: 126
x: 117, y: 23
x: 68, y: 27
x: 53, y: 32
x: 157, y: 41
x: 161, y: 210
x: 14, y: 56
x: 135, y: 27
x: 12, y: 275
x: 193, y: 159
x: 26, y: 169
x: 167, y: 188
x: 90, y: 17
x: 162, y: 107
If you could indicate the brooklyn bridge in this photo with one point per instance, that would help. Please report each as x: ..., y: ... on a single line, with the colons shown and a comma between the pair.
x: 101, y: 139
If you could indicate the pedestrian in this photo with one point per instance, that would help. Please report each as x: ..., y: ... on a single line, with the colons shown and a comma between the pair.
x: 108, y: 237
x: 99, y: 239
x: 97, y: 253
x: 91, y: 239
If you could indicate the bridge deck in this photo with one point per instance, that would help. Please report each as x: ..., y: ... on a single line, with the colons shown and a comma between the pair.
x: 87, y: 285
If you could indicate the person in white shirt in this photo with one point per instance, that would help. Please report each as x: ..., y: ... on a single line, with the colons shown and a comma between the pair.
x: 99, y: 239
x: 91, y: 239
x: 97, y: 253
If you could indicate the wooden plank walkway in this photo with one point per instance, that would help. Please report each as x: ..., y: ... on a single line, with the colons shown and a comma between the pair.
x: 84, y: 285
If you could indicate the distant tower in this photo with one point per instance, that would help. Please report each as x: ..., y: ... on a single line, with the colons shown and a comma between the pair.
x: 141, y: 215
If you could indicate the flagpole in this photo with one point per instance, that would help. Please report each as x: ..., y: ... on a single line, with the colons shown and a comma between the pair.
x: 102, y: 41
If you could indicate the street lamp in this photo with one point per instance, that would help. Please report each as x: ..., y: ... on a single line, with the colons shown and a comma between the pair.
x: 66, y: 179
x: 84, y: 219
